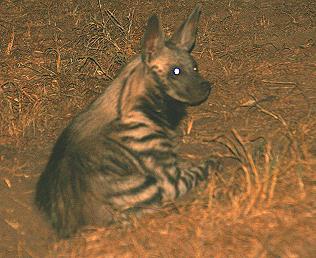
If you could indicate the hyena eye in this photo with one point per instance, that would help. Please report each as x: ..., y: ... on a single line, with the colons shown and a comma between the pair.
x: 195, y: 68
x: 176, y: 71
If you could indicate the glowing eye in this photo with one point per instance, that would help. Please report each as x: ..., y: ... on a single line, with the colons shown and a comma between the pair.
x: 195, y: 69
x: 176, y: 71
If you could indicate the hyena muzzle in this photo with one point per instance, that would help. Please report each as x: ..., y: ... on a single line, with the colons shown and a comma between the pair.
x: 118, y: 155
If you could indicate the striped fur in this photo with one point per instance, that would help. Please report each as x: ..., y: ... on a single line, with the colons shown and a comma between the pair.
x: 118, y: 155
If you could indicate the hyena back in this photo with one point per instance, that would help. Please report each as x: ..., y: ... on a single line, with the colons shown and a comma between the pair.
x: 118, y: 155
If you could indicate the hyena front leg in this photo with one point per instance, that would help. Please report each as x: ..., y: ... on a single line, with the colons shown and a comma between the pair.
x: 190, y: 177
x: 176, y: 182
x: 138, y: 192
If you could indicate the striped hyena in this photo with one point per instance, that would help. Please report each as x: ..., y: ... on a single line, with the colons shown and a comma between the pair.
x: 118, y: 155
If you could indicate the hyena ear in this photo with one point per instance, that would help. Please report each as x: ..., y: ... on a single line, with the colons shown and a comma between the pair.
x: 153, y: 40
x: 185, y: 36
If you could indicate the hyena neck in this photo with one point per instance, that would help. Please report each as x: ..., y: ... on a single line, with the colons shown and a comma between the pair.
x: 162, y: 109
x: 142, y: 94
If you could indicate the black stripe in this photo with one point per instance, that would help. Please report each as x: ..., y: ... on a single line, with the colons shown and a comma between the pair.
x: 155, y: 199
x: 111, y: 169
x: 199, y: 172
x: 191, y: 175
x: 173, y: 181
x: 122, y: 150
x: 149, y: 181
x: 201, y: 175
x: 177, y: 190
x: 124, y: 83
x: 187, y: 185
x: 119, y: 163
x: 189, y: 179
x: 166, y: 144
x: 131, y: 126
x: 157, y: 154
x: 169, y: 177
x: 178, y: 173
x: 167, y: 166
x: 143, y: 139
x: 122, y: 166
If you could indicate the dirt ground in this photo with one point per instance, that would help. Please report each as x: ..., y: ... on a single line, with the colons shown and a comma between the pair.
x: 57, y: 56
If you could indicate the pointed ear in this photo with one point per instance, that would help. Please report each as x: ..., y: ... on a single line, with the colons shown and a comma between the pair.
x: 153, y: 40
x: 185, y: 36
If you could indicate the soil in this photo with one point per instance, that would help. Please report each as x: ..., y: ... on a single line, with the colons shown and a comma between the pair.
x: 57, y: 56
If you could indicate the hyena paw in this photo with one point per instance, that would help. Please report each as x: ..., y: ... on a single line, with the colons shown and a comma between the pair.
x: 213, y: 164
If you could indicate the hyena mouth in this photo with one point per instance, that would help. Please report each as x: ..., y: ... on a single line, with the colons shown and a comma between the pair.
x: 195, y: 95
x: 202, y: 94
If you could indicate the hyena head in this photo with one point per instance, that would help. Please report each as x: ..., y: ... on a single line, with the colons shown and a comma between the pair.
x: 171, y: 63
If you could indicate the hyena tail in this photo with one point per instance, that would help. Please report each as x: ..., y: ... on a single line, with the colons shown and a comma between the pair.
x: 55, y: 196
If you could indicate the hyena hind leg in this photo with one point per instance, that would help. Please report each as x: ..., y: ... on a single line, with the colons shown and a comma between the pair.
x: 112, y: 201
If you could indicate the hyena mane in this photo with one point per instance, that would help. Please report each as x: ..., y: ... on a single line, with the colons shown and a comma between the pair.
x: 118, y: 155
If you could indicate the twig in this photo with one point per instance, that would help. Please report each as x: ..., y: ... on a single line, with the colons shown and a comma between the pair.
x: 263, y: 110
x: 11, y: 42
x: 279, y: 82
x: 115, y: 20
x: 130, y: 18
x: 98, y: 65
x: 100, y: 7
